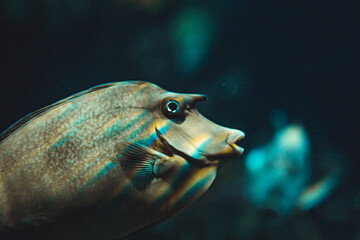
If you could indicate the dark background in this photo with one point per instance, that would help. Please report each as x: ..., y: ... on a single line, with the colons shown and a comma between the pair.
x: 251, y: 57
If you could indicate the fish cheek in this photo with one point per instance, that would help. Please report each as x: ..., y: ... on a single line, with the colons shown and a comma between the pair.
x: 163, y: 184
x: 165, y: 167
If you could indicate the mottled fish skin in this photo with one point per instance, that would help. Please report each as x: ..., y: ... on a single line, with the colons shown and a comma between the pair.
x: 74, y: 170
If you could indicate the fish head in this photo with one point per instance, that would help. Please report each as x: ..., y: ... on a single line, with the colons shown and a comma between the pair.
x: 178, y: 127
x: 185, y: 132
x: 170, y: 153
x: 194, y: 147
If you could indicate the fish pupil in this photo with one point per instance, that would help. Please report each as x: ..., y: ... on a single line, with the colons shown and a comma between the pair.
x: 173, y: 106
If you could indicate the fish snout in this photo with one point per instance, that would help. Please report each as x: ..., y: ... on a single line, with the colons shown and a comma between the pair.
x: 233, y: 139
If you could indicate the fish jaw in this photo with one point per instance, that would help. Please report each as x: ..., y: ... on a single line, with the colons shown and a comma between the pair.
x: 231, y: 149
x: 204, y: 148
x: 232, y: 139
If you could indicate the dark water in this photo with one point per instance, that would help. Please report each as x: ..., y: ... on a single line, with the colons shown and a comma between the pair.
x: 249, y: 57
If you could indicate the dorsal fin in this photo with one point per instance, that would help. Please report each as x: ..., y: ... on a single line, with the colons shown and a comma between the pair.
x: 23, y: 121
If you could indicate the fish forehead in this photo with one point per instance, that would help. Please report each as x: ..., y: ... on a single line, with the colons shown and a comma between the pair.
x: 143, y: 95
x: 152, y: 94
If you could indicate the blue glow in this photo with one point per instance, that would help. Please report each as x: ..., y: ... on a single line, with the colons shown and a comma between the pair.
x: 195, y: 189
x: 63, y: 140
x: 164, y: 129
x: 137, y: 119
x: 153, y: 137
x: 201, y: 148
x: 98, y: 176
x: 68, y: 110
x: 104, y: 171
x: 117, y: 127
x: 181, y: 175
x: 81, y: 119
x: 176, y: 182
x: 139, y: 129
x: 279, y: 172
x: 114, y: 129
x: 150, y: 140
x: 255, y: 160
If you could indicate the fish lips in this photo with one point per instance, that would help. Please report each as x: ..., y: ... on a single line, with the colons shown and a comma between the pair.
x: 231, y: 150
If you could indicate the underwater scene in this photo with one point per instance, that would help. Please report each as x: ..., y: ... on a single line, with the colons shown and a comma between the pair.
x: 185, y: 120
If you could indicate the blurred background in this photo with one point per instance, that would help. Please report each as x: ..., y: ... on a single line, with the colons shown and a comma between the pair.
x: 287, y: 73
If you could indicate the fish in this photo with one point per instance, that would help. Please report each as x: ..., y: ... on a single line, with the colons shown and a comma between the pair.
x: 108, y: 162
x: 278, y: 174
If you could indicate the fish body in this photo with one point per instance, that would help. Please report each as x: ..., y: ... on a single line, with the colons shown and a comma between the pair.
x: 108, y: 162
x: 278, y: 174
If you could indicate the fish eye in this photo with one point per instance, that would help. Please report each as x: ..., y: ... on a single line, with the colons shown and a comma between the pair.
x: 172, y: 107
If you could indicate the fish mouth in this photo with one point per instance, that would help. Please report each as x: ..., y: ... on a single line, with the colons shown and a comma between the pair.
x: 170, y: 150
x: 231, y: 150
x: 234, y: 139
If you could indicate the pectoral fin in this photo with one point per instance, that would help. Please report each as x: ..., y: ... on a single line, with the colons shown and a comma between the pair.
x: 142, y: 164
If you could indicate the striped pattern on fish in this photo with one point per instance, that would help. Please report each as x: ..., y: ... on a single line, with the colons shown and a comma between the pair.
x: 120, y: 156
